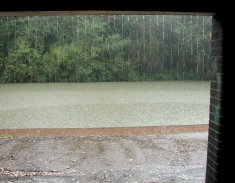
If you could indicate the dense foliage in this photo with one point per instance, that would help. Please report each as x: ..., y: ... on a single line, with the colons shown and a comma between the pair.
x: 104, y: 48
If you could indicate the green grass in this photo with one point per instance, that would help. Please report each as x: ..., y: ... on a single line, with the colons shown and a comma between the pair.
x: 9, y: 136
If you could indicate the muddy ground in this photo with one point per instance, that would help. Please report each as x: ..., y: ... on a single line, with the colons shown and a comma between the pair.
x: 118, y: 158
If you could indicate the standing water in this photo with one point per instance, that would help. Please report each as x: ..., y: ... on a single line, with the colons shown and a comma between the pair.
x: 91, y: 105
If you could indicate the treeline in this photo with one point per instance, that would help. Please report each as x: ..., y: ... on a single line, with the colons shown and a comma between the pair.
x: 104, y: 48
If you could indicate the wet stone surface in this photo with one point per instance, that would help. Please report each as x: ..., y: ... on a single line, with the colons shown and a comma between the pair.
x: 127, y: 158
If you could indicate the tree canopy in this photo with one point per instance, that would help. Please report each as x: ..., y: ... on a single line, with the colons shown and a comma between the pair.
x: 92, y: 48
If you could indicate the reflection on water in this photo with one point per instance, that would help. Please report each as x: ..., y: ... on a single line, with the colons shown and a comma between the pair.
x: 89, y: 105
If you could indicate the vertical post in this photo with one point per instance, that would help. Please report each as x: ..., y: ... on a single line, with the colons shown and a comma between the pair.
x: 221, y: 137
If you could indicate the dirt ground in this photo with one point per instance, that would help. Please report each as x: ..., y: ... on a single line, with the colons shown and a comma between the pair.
x: 134, y: 158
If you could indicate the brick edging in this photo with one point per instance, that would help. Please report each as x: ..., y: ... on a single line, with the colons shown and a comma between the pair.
x: 106, y: 131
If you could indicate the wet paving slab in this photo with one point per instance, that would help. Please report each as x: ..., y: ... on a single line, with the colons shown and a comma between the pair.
x: 135, y: 158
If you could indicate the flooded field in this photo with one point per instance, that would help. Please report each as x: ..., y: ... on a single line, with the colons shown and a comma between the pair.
x: 104, y: 104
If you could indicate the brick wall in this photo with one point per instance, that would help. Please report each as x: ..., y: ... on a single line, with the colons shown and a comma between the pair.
x: 220, y: 151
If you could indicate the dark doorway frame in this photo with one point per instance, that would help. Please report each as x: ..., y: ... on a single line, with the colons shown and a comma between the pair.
x: 221, y: 138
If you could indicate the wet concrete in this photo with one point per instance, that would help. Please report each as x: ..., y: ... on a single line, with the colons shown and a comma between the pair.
x: 126, y: 158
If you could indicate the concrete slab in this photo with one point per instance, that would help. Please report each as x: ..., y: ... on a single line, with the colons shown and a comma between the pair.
x: 115, y: 158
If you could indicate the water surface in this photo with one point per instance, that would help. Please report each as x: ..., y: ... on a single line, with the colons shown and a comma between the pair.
x: 105, y: 104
